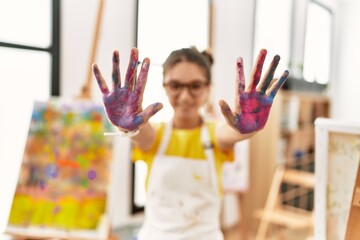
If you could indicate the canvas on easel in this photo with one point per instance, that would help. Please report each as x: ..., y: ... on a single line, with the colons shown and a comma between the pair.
x: 336, y: 167
x: 353, y: 225
x: 62, y: 188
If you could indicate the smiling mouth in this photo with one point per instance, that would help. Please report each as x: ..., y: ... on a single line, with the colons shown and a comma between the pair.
x: 184, y: 107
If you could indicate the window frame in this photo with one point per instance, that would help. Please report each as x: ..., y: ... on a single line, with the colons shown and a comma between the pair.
x: 53, y: 49
x: 332, y: 27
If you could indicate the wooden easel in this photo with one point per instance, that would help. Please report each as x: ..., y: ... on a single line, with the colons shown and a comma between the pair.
x: 277, y: 214
x: 353, y: 226
x: 86, y: 90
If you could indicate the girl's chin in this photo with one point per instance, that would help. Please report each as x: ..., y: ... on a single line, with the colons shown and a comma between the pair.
x: 185, y: 112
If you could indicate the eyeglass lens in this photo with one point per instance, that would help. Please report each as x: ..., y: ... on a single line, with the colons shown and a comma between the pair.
x: 195, y: 88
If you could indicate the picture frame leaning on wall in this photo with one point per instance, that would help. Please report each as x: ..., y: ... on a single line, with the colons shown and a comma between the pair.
x: 337, y: 156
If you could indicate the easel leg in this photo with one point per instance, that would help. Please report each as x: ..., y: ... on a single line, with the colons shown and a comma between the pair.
x: 242, y: 223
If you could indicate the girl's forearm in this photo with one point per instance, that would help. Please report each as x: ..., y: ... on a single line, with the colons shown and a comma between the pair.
x: 226, y: 136
x: 145, y: 139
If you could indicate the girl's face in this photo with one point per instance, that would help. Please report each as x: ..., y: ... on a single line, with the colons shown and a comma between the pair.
x: 187, y: 88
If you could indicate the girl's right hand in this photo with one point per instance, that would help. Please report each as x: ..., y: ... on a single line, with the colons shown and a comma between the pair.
x: 123, y: 105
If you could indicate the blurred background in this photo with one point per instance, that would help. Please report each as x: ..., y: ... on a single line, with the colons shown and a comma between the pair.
x: 46, y: 49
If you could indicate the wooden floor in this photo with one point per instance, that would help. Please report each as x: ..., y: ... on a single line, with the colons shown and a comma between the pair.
x: 235, y: 234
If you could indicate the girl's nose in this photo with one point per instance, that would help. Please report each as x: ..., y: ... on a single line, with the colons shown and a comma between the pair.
x: 184, y: 93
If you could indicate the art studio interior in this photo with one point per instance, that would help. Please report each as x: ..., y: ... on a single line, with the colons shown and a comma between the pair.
x: 65, y: 175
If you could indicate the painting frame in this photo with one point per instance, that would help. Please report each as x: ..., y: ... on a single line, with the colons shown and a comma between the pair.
x: 328, y: 170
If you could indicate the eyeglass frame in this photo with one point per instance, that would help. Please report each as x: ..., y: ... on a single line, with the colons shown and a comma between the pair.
x: 188, y: 86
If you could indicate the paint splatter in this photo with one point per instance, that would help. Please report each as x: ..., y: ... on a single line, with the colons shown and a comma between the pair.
x: 56, y: 210
x: 91, y: 175
x: 51, y: 171
x: 42, y: 184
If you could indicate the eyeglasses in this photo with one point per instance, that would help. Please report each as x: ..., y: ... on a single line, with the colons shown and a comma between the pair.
x: 195, y: 88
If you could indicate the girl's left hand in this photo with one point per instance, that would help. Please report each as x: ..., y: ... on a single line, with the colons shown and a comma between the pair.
x: 252, y: 106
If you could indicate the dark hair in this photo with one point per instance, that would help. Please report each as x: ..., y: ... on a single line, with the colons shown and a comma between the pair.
x: 203, y: 59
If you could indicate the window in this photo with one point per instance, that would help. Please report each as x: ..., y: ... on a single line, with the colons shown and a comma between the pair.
x: 317, y: 55
x: 29, y: 65
x: 163, y: 26
x: 273, y: 31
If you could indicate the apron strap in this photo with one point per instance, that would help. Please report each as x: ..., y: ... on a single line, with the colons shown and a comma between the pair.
x: 165, y: 138
x: 209, y: 152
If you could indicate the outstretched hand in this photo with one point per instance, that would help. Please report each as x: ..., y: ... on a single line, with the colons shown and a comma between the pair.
x: 252, y: 107
x: 123, y: 105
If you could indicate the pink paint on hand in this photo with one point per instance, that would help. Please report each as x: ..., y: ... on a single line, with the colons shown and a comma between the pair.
x: 255, y: 112
x: 254, y: 104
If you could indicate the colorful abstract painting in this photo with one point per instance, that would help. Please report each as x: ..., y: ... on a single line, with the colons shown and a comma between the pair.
x: 64, y: 176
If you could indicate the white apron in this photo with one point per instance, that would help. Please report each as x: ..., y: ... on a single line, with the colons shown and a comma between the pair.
x: 183, y: 200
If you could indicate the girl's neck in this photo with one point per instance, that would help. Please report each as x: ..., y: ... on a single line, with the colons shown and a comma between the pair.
x: 188, y: 123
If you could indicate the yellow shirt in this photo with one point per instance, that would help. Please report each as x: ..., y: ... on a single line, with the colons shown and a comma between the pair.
x: 184, y: 143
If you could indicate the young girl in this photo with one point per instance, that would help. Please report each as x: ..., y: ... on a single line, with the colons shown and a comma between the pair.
x: 185, y: 155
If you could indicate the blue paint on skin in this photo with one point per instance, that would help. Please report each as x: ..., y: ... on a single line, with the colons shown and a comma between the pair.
x: 138, y: 120
x: 267, y: 100
x: 115, y: 77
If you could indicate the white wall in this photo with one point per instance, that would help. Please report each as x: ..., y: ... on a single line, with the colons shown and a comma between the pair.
x: 233, y: 37
x: 346, y: 91
x: 77, y: 26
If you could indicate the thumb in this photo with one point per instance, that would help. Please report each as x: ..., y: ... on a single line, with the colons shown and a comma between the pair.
x: 226, y: 112
x: 151, y: 111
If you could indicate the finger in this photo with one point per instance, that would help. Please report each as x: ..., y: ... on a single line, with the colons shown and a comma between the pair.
x: 240, y: 77
x: 256, y: 73
x: 141, y: 82
x: 277, y: 85
x: 226, y: 112
x: 131, y: 71
x: 265, y: 83
x: 116, y: 70
x: 100, y: 80
x: 150, y: 111
x: 240, y: 82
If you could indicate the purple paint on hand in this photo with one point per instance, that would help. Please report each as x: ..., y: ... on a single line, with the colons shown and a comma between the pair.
x: 123, y: 104
x: 122, y: 107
